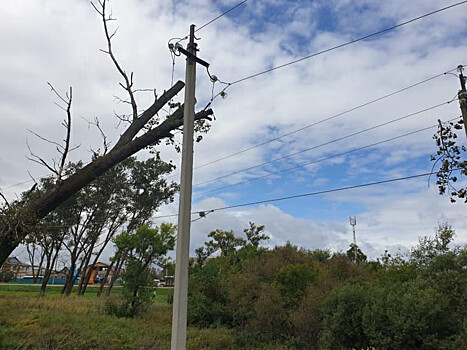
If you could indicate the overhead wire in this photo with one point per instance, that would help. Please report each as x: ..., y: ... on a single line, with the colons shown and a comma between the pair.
x: 321, y: 121
x: 221, y: 15
x: 302, y: 165
x: 349, y: 42
x: 325, y: 143
x: 308, y: 194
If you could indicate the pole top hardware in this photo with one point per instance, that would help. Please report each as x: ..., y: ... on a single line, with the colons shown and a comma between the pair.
x: 193, y: 57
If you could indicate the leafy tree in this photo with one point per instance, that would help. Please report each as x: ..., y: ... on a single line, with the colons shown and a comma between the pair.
x: 430, y: 247
x: 320, y: 255
x: 145, y: 247
x: 254, y: 235
x: 291, y: 281
x: 342, y: 319
x: 451, y: 155
x: 361, y: 257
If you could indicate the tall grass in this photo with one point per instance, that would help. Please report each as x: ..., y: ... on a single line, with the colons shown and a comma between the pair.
x: 28, y: 322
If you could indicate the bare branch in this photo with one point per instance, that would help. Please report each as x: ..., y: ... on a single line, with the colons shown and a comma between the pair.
x: 44, y: 139
x: 61, y: 107
x: 138, y: 124
x: 128, y: 81
x: 67, y: 125
x: 39, y: 160
x: 119, y: 100
x: 56, y: 93
x: 32, y: 178
x: 104, y: 137
x: 4, y: 198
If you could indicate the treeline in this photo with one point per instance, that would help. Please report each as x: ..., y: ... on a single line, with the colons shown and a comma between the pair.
x: 311, y: 299
x: 77, y: 232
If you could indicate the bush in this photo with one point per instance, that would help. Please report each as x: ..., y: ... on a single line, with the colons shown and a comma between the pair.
x: 113, y: 308
x: 342, y: 319
x: 6, y: 276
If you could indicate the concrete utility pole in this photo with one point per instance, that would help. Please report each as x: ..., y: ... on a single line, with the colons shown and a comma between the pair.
x: 462, y: 95
x: 353, y: 222
x: 179, y: 318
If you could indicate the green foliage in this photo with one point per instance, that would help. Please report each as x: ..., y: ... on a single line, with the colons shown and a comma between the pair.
x: 319, y: 255
x: 409, y: 315
x: 361, y: 257
x: 6, y: 276
x: 254, y: 234
x: 291, y: 281
x: 342, y: 319
x: 451, y: 155
x: 299, y: 299
x: 428, y: 248
x: 208, y: 287
x: 145, y: 247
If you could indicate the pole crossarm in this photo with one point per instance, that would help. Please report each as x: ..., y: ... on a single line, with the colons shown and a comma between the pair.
x: 193, y: 57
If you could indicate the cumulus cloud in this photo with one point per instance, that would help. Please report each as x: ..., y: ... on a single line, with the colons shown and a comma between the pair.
x: 58, y: 41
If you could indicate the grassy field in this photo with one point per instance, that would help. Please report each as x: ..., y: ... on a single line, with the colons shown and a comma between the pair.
x: 53, y: 322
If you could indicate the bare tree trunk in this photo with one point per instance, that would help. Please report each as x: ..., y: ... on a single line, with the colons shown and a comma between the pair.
x: 104, y: 281
x: 31, y: 255
x: 118, y: 268
x: 70, y: 279
x: 36, y: 275
x: 86, y: 271
x: 49, y: 267
x: 47, y: 272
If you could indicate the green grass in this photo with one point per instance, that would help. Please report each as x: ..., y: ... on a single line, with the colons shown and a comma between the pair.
x: 52, y: 290
x: 54, y: 322
x: 28, y: 322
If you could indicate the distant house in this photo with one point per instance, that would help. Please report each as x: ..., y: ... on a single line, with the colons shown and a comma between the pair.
x: 16, y: 267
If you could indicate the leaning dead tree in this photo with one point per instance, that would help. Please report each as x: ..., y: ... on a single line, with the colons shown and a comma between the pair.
x: 145, y: 129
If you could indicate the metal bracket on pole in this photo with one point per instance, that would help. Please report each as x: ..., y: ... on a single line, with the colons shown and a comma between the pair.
x: 462, y: 95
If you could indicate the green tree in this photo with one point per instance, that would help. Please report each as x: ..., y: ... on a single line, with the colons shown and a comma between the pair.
x: 451, y: 157
x: 145, y: 247
x: 430, y: 247
x: 361, y: 257
x: 292, y: 281
x: 342, y: 319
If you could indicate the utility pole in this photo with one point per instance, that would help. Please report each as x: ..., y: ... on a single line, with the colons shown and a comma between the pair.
x: 353, y: 222
x: 179, y: 317
x: 462, y: 95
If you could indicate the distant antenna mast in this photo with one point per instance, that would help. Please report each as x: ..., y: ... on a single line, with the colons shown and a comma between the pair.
x: 353, y: 222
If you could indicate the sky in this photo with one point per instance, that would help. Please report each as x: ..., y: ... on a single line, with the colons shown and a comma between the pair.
x: 58, y: 42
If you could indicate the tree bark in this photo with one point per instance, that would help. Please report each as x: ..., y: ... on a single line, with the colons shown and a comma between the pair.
x: 41, y: 262
x: 118, y: 268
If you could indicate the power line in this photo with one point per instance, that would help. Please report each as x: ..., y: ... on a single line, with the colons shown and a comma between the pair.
x: 320, y: 160
x: 221, y: 15
x: 325, y: 143
x: 349, y: 42
x: 309, y: 194
x: 321, y: 121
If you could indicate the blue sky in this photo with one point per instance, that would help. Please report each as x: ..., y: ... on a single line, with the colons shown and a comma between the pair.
x: 59, y: 41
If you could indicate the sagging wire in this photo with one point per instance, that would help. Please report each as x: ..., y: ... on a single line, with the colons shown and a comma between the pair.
x: 214, y: 79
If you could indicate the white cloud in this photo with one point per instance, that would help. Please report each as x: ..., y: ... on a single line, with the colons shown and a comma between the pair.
x: 59, y: 41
